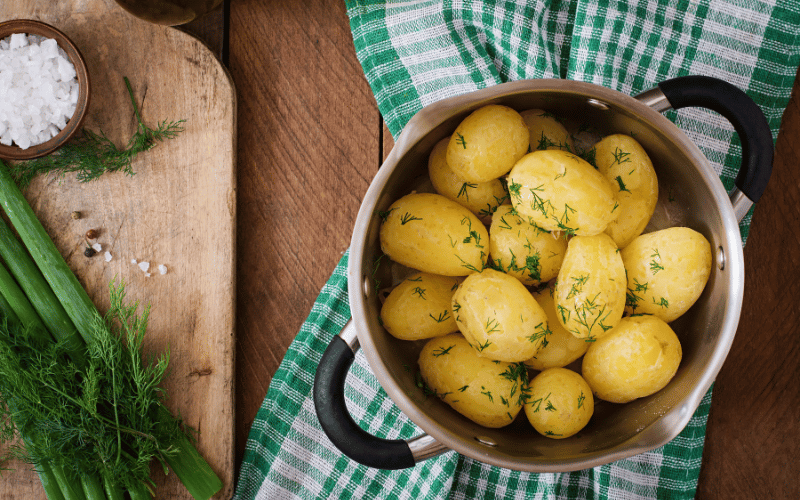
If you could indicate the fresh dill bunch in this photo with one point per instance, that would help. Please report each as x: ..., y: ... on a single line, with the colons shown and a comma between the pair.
x: 102, y: 418
x: 92, y: 154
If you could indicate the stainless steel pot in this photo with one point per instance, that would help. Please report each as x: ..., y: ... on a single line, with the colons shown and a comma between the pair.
x: 686, y: 181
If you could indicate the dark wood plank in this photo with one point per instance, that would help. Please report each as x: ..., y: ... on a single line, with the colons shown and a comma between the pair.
x: 754, y: 424
x: 211, y: 29
x: 308, y: 147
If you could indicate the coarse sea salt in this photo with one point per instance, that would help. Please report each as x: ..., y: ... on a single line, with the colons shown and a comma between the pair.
x: 38, y: 90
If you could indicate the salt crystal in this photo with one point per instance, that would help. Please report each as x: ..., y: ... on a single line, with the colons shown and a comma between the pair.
x: 133, y: 261
x: 162, y: 269
x: 108, y: 256
x: 17, y: 41
x: 97, y: 247
x: 146, y: 275
x: 144, y: 266
x: 38, y: 89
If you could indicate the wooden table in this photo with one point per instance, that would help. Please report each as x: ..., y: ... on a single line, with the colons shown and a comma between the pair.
x: 311, y: 139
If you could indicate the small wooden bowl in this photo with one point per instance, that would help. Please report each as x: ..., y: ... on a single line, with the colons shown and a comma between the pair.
x: 31, y: 27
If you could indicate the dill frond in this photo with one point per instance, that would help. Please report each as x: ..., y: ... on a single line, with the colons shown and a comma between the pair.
x: 92, y: 154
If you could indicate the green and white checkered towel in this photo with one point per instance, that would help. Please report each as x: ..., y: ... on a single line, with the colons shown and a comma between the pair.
x: 417, y: 52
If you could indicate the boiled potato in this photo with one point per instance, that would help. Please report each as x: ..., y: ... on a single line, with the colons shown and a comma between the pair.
x: 520, y: 248
x: 624, y: 162
x: 560, y: 348
x: 636, y: 359
x: 591, y: 285
x: 430, y: 233
x: 546, y: 132
x: 559, y: 403
x: 487, y: 143
x: 487, y: 392
x: 481, y: 198
x: 667, y: 271
x: 562, y: 192
x: 499, y: 317
x: 419, y: 307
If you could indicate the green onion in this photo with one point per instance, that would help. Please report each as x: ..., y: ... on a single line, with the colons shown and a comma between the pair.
x: 41, y: 296
x: 190, y: 467
x: 17, y: 309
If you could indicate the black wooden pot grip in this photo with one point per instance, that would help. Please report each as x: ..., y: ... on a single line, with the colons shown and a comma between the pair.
x: 337, y: 423
x: 746, y: 117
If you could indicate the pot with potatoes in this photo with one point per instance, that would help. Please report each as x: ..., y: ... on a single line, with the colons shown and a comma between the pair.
x: 546, y: 275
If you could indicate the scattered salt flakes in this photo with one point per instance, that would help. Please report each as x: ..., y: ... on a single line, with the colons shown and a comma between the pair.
x: 108, y: 256
x: 144, y: 266
x: 146, y: 275
x: 133, y: 261
x: 97, y: 247
x: 162, y: 269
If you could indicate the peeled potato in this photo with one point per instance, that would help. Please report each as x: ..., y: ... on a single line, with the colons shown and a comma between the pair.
x: 499, y: 317
x: 590, y: 290
x: 546, y: 131
x: 419, y: 307
x: 487, y: 143
x: 487, y: 392
x: 481, y: 198
x: 624, y: 162
x: 667, y: 271
x: 560, y: 348
x: 559, y: 403
x: 636, y: 359
x: 562, y: 192
x: 430, y: 233
x: 520, y: 248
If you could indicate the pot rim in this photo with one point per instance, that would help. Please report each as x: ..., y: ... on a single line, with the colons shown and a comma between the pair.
x: 651, y: 436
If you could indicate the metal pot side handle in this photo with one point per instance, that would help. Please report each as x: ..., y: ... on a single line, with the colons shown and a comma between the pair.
x: 343, y: 431
x: 744, y: 114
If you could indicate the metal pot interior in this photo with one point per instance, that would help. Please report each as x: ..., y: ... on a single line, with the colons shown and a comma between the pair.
x: 690, y: 195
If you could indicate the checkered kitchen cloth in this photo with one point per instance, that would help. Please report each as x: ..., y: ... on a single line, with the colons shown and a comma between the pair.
x: 417, y: 52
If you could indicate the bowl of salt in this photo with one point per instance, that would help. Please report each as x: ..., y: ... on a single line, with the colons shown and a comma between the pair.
x: 44, y: 89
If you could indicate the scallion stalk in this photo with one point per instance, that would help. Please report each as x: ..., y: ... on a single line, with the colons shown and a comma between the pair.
x: 56, y: 484
x: 190, y: 467
x: 41, y: 296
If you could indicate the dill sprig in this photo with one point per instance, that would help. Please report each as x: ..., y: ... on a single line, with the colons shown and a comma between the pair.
x: 102, y: 418
x: 92, y: 154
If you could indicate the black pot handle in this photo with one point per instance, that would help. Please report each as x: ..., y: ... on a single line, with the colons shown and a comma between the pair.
x: 340, y: 427
x: 746, y: 117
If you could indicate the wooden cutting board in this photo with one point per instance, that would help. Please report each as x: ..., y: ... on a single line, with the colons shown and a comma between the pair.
x: 179, y: 210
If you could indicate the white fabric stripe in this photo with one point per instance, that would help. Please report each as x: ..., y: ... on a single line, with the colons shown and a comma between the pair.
x: 272, y: 491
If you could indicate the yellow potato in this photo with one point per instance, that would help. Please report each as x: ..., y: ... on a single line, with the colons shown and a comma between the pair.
x: 667, y: 271
x: 624, y: 162
x: 432, y: 234
x: 487, y: 143
x: 481, y: 198
x: 562, y: 192
x: 546, y: 132
x: 420, y: 307
x: 520, y: 248
x: 487, y: 392
x: 559, y: 403
x: 560, y: 348
x: 590, y: 290
x: 636, y: 359
x: 499, y: 317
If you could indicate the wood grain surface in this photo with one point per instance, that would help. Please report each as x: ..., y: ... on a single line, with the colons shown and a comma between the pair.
x: 311, y: 138
x: 178, y: 210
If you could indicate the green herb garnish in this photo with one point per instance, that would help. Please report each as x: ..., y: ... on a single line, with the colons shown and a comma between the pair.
x: 93, y: 153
